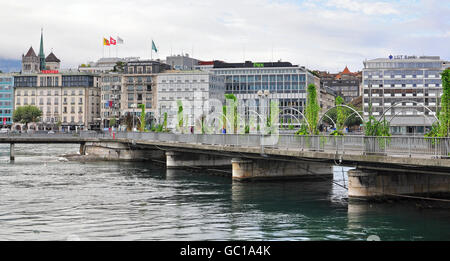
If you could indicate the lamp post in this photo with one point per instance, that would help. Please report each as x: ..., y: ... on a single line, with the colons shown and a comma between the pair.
x: 262, y: 95
x: 133, y: 106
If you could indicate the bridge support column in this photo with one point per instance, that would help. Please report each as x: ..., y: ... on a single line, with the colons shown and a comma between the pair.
x: 11, y: 152
x: 251, y: 169
x: 376, y: 184
x: 176, y: 159
x: 83, y: 148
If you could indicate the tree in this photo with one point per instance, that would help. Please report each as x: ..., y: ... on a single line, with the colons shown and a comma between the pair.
x: 165, y: 121
x: 233, y: 98
x: 26, y: 114
x: 444, y: 115
x: 180, y: 115
x: 142, y: 118
x: 312, y: 109
x: 341, y: 116
x: 112, y: 122
x: 129, y: 121
x: 442, y: 127
x: 119, y: 67
x: 373, y: 127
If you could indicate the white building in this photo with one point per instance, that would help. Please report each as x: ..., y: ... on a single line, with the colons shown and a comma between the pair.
x: 195, y: 89
x: 111, y: 93
x: 104, y: 64
x: 405, y: 90
x: 182, y: 62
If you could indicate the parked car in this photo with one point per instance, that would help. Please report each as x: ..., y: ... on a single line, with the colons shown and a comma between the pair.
x: 4, y: 130
x: 51, y: 132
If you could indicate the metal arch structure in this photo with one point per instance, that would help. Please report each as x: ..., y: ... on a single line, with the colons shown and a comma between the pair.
x: 348, y: 117
x: 334, y: 123
x: 395, y: 115
x: 340, y: 105
x: 398, y: 103
x: 257, y: 114
x: 290, y: 114
x: 290, y: 108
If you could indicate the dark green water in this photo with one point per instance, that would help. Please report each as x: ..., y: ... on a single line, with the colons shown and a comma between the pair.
x: 44, y: 197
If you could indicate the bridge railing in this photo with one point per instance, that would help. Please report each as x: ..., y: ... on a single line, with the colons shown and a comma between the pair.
x: 393, y: 146
x: 41, y: 135
x: 401, y: 146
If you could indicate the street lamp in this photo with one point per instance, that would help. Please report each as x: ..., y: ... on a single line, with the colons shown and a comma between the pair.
x: 262, y: 95
x: 133, y: 106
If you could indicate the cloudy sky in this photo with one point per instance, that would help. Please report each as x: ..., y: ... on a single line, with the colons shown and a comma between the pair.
x: 321, y: 34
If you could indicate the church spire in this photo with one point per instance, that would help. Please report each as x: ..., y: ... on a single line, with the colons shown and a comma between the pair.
x: 41, y: 52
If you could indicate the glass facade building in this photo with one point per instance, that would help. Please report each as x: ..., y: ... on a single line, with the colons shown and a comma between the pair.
x: 285, y: 82
x: 404, y: 90
x: 6, y: 100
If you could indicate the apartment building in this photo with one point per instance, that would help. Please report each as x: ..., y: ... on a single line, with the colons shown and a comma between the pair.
x: 405, y: 90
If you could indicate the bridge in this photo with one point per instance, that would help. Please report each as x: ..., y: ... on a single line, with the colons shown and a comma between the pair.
x: 383, y: 165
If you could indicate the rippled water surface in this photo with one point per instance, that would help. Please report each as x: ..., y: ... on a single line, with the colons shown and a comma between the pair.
x: 43, y: 197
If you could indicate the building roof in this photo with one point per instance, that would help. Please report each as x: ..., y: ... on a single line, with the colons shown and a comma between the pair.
x: 250, y: 64
x: 31, y: 53
x: 52, y: 58
x: 346, y: 71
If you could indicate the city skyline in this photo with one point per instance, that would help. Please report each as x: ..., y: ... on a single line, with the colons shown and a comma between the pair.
x: 324, y: 35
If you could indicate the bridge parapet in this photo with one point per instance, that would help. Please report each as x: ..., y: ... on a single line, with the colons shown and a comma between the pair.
x: 401, y: 146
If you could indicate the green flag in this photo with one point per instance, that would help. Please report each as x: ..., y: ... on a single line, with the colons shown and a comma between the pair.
x: 154, y: 47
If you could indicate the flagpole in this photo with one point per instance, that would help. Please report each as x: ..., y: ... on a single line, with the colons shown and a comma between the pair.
x: 151, y: 51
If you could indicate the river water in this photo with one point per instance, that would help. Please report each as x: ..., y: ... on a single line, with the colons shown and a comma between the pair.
x: 43, y: 197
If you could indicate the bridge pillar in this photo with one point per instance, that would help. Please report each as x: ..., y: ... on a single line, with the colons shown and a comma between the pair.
x: 376, y: 184
x: 247, y: 169
x: 11, y: 152
x: 83, y: 148
x: 175, y: 159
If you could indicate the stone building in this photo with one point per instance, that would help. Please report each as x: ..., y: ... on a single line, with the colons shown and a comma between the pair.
x: 139, y: 87
x: 68, y: 101
x: 345, y: 84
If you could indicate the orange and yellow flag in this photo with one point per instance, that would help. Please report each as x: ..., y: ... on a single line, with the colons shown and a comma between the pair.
x: 105, y: 41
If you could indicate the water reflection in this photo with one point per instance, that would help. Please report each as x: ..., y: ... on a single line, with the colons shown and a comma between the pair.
x: 47, y: 199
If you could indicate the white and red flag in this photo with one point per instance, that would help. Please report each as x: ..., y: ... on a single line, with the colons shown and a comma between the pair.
x: 112, y: 41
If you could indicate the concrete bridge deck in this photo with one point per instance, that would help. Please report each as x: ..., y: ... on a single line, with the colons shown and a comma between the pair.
x: 415, y: 151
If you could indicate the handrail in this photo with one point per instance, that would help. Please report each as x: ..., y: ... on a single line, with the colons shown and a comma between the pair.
x: 405, y: 146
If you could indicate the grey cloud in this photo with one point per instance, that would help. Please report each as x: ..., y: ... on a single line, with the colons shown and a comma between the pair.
x: 307, y: 34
